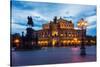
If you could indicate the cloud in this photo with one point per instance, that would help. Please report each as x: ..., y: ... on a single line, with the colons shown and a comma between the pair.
x: 18, y: 26
x: 19, y: 17
x: 22, y: 24
x: 37, y: 28
x: 44, y: 12
x: 91, y: 19
x: 91, y: 27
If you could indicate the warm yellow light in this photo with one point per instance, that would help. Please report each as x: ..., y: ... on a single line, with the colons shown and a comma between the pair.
x: 68, y: 41
x: 82, y: 23
x: 39, y: 42
x: 61, y: 34
x: 63, y: 26
x: 54, y: 33
x: 75, y: 39
x: 72, y: 41
x: 86, y: 24
x: 46, y: 41
x: 69, y: 35
x: 17, y: 41
x: 43, y: 42
x: 64, y: 41
x: 78, y: 24
x: 92, y: 41
x: 79, y: 41
x: 54, y: 42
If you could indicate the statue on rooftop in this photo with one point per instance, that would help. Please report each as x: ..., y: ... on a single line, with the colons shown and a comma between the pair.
x: 30, y: 21
x: 55, y: 19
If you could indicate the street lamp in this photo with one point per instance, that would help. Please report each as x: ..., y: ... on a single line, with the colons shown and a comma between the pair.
x: 82, y: 25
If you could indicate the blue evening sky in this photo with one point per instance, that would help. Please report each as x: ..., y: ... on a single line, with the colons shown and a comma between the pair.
x: 44, y: 12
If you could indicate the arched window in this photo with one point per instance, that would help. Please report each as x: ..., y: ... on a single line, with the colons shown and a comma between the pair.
x: 54, y: 33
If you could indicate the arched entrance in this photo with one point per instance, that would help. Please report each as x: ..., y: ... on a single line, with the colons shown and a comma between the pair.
x: 54, y: 42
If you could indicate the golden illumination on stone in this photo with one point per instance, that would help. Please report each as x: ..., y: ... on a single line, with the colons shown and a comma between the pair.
x: 92, y: 41
x: 43, y: 43
x: 75, y: 39
x: 61, y: 34
x: 54, y: 33
x: 54, y: 41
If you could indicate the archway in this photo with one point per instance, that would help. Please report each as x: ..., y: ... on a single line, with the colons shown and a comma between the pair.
x: 54, y: 42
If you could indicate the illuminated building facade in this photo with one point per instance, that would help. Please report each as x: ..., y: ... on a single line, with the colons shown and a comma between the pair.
x: 59, y: 32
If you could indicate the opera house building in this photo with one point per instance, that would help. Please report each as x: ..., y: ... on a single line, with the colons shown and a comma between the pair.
x: 60, y: 32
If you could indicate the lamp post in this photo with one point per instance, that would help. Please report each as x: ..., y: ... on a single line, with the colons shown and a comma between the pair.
x: 82, y: 25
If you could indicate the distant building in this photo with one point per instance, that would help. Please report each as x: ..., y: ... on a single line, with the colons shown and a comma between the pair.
x: 59, y: 32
